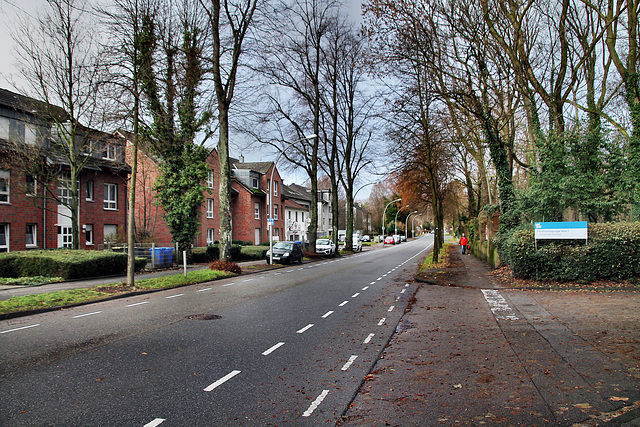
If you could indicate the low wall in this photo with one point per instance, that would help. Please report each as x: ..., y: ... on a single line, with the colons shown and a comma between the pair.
x: 486, y: 252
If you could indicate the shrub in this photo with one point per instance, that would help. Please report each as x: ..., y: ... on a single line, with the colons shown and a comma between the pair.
x: 610, y: 254
x: 231, y: 267
x: 241, y: 243
x: 205, y: 254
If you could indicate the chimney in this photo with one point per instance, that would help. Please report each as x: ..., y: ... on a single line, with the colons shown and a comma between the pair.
x: 241, y: 159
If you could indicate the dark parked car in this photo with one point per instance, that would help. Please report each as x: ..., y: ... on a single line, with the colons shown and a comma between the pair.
x: 286, y: 252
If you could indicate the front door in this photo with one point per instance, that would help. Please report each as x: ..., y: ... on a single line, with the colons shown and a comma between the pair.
x: 257, y: 237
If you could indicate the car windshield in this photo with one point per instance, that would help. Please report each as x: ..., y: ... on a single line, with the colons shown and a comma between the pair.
x: 283, y: 245
x: 322, y: 242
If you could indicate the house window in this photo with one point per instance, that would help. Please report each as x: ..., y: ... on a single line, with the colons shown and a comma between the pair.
x: 16, y: 131
x: 275, y: 212
x: 275, y: 188
x: 254, y: 183
x: 31, y: 185
x: 67, y: 237
x: 64, y: 189
x: 209, y: 208
x: 111, y: 196
x: 89, y: 190
x: 256, y: 210
x: 88, y: 234
x: 4, y: 186
x: 110, y: 151
x: 110, y: 233
x: 31, y: 235
x: 296, y: 216
x: 210, y: 179
x: 210, y: 236
x: 4, y: 237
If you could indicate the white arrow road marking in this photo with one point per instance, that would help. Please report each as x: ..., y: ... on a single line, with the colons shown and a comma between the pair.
x: 222, y: 380
x: 314, y: 405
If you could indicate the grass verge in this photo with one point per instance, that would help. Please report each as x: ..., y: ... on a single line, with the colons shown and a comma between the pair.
x: 443, y: 259
x: 30, y: 281
x: 79, y: 296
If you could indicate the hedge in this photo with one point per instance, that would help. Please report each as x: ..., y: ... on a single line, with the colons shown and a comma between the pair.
x: 611, y: 253
x: 65, y: 263
x: 208, y: 254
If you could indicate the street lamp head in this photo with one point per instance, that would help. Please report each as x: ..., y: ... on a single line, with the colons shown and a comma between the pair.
x: 313, y: 135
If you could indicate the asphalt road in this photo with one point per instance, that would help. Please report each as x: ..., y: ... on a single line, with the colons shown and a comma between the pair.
x: 288, y: 346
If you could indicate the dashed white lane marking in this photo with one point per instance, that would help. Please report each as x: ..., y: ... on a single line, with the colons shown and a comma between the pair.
x: 372, y: 283
x: 327, y: 314
x: 301, y: 268
x: 355, y: 295
x: 391, y: 308
x: 305, y: 329
x: 272, y: 349
x: 222, y: 380
x: 397, y: 298
x: 499, y: 306
x: 86, y: 314
x: 406, y: 286
x: 205, y: 289
x: 365, y: 288
x: 290, y: 271
x: 385, y: 275
x: 154, y: 423
x: 19, y: 329
x: 378, y: 279
x: 349, y: 362
x: 174, y: 296
x: 403, y: 291
x: 228, y: 284
x: 247, y: 280
x: 368, y: 339
x: 277, y: 274
x: 314, y: 405
x: 343, y: 303
x: 138, y: 303
x: 381, y: 322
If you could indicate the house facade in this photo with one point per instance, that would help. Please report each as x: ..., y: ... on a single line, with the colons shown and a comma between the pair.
x: 33, y: 212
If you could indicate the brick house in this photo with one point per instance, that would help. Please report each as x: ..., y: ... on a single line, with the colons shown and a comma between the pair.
x: 29, y: 218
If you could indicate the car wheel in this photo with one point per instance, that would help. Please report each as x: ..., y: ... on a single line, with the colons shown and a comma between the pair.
x: 300, y: 260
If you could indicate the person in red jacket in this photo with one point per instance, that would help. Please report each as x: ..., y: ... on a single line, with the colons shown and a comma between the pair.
x: 464, y: 241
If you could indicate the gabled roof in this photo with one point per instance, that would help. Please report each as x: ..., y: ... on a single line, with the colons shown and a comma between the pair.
x: 295, y: 191
x: 260, y: 167
x: 255, y: 191
x: 29, y: 105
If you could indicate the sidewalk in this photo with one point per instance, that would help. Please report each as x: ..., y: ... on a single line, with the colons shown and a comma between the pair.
x: 452, y: 363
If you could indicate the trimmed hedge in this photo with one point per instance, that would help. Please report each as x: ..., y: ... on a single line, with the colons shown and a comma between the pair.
x: 611, y: 253
x: 65, y: 263
x: 208, y: 254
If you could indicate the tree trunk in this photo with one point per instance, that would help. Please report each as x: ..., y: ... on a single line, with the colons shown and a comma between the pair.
x: 224, y: 206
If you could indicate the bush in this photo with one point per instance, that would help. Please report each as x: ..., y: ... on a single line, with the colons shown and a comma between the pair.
x: 205, y: 254
x: 65, y: 263
x: 241, y: 243
x: 231, y: 267
x: 610, y: 254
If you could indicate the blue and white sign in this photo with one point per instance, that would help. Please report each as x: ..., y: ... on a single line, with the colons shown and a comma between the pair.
x: 561, y: 230
x: 270, y: 222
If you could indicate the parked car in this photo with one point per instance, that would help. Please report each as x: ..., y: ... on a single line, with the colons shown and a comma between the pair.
x: 357, y: 243
x: 366, y: 238
x: 325, y: 247
x: 389, y: 240
x: 396, y: 239
x: 286, y: 252
x: 403, y: 238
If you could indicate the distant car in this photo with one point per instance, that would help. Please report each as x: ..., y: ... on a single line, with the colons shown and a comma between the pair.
x: 396, y: 239
x: 366, y: 238
x: 325, y: 247
x: 403, y: 238
x: 389, y: 240
x: 286, y: 252
x: 357, y: 244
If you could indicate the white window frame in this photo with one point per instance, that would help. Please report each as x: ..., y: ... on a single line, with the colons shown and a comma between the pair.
x: 255, y: 183
x: 88, y: 234
x: 4, y: 232
x: 275, y: 188
x: 64, y: 189
x: 210, y: 208
x: 210, y: 179
x: 211, y: 236
x: 5, y: 186
x: 89, y: 190
x: 110, y: 151
x: 33, y: 190
x: 31, y: 231
x: 17, y: 131
x: 256, y: 210
x: 110, y: 196
x: 275, y: 212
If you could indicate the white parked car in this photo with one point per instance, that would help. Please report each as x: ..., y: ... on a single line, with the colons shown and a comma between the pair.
x: 325, y: 247
x: 357, y: 243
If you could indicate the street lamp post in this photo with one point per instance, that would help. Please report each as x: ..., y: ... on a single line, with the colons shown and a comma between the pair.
x: 395, y: 222
x: 270, y: 219
x: 413, y: 230
x: 406, y: 236
x: 383, y: 216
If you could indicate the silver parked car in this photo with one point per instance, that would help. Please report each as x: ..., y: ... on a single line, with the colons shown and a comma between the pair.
x: 325, y: 247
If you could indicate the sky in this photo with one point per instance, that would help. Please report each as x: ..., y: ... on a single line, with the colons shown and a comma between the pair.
x: 13, y: 10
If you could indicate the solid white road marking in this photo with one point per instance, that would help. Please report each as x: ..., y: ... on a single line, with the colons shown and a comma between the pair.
x: 272, y: 349
x: 222, y: 380
x: 499, y: 306
x: 202, y: 290
x: 355, y: 295
x: 381, y: 322
x: 174, y: 296
x: 343, y: 303
x: 86, y: 314
x: 138, y: 303
x: 19, y: 329
x: 314, y: 405
x: 391, y: 308
x: 369, y: 338
x: 349, y: 362
x: 327, y: 314
x: 154, y: 423
x: 305, y: 329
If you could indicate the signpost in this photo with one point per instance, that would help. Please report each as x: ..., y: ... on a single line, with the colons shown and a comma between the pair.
x: 561, y: 231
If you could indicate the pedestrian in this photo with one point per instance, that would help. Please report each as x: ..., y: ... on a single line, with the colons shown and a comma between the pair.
x: 464, y: 241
